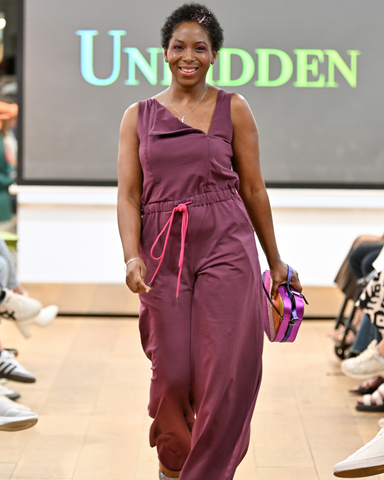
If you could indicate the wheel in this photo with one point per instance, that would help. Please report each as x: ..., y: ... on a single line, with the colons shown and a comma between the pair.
x: 341, y: 351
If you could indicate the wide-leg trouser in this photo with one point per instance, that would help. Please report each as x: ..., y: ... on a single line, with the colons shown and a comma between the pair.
x: 206, y: 348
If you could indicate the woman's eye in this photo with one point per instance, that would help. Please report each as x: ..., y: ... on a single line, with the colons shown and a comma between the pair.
x: 201, y: 49
x: 177, y: 47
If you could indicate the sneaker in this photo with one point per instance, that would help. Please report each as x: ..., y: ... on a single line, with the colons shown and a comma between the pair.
x: 9, y: 393
x: 12, y: 350
x: 43, y: 319
x: 12, y: 370
x: 381, y: 422
x: 45, y: 316
x: 18, y: 307
x: 11, y: 403
x: 366, y: 365
x: 12, y: 420
x: 368, y: 460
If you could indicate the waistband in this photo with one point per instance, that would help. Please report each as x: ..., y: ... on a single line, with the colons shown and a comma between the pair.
x: 195, y: 201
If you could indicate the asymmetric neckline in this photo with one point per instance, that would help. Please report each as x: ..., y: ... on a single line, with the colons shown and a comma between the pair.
x: 190, y: 126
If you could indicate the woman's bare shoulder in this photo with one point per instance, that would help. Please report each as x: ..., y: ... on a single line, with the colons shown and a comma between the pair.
x: 132, y: 111
x: 130, y: 116
x: 240, y: 110
x: 239, y: 104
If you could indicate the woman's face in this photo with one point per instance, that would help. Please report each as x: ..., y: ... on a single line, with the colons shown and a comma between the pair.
x: 189, y: 53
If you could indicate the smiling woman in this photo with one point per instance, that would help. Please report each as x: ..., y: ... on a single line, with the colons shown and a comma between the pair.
x: 190, y: 184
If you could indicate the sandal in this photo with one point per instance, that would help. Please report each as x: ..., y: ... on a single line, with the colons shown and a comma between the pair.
x: 367, y: 406
x: 368, y: 386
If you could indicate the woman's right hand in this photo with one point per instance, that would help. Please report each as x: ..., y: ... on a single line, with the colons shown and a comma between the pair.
x: 135, y: 277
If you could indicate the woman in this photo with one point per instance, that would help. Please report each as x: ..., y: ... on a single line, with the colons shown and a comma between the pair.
x: 195, y: 241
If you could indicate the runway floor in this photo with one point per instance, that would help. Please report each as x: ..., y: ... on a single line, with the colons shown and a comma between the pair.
x: 92, y: 390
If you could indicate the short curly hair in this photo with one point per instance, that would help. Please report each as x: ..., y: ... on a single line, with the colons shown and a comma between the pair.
x: 193, y: 12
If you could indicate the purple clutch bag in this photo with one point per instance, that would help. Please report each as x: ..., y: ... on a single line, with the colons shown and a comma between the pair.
x: 283, y: 315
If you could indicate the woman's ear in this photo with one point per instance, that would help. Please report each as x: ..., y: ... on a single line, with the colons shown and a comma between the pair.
x: 214, y: 56
x: 166, y: 55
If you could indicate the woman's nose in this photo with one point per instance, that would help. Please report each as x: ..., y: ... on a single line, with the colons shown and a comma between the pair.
x: 189, y: 55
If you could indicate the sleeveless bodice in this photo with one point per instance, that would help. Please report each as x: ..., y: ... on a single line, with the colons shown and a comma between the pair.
x: 179, y: 161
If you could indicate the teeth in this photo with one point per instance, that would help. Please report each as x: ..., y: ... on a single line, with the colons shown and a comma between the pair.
x: 189, y: 70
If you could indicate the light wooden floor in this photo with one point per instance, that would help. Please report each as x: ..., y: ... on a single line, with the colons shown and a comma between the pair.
x: 92, y: 392
x: 116, y: 299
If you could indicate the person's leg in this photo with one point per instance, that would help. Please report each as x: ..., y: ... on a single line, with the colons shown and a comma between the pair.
x: 165, y: 334
x: 366, y: 333
x: 6, y: 259
x: 4, y: 271
x: 226, y: 344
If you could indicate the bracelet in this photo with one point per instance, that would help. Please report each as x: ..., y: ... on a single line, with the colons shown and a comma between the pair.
x: 132, y: 259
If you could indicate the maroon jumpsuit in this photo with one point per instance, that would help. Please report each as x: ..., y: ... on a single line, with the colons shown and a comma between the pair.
x: 206, y: 347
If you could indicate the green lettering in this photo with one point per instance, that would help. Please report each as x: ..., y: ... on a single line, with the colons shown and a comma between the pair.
x: 149, y: 70
x: 350, y: 74
x: 167, y: 75
x: 263, y: 67
x: 209, y: 77
x: 86, y: 56
x: 225, y: 67
x: 303, y: 67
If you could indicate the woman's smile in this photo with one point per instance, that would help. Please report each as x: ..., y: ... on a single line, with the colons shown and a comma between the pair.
x: 188, y: 71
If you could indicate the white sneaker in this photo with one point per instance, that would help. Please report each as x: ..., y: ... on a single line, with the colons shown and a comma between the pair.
x: 12, y: 420
x: 11, y: 403
x: 367, y: 365
x: 18, y: 307
x: 43, y: 319
x: 9, y: 393
x: 368, y: 460
x: 12, y: 370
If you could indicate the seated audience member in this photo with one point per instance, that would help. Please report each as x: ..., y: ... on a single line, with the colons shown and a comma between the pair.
x: 369, y: 459
x: 8, y: 279
x: 370, y: 362
x: 359, y: 265
x: 12, y: 416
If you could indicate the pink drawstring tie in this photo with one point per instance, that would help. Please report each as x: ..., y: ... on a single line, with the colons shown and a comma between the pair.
x: 182, y: 207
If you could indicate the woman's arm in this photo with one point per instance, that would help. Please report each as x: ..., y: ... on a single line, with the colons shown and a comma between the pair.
x: 246, y: 163
x: 130, y: 181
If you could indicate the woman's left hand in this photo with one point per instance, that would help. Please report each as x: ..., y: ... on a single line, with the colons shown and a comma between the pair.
x: 279, y: 275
